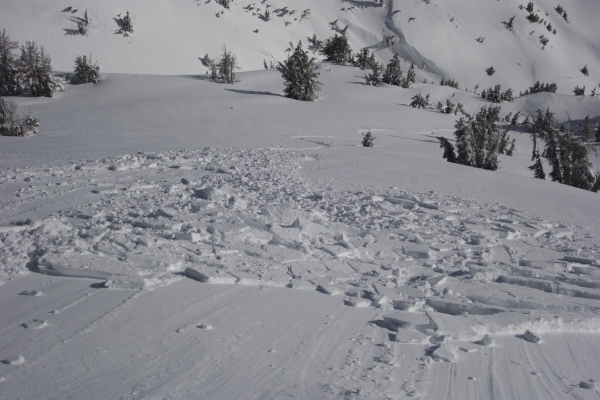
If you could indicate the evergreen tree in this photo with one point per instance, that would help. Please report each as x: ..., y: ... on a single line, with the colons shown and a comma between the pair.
x: 449, y: 154
x: 537, y: 167
x: 36, y: 70
x: 86, y: 70
x: 410, y: 77
x: 393, y: 72
x: 300, y: 75
x: 598, y: 134
x: 314, y: 44
x: 364, y: 59
x: 337, y: 50
x: 419, y: 101
x: 9, y: 66
x: 11, y: 125
x: 126, y: 25
x: 566, y: 154
x: 227, y: 66
x: 368, y: 139
x: 586, y: 133
x: 375, y: 77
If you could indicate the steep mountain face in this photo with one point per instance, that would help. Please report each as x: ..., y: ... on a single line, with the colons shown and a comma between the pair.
x: 457, y: 40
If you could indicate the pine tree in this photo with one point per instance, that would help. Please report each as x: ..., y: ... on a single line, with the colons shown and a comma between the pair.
x: 368, y: 139
x: 227, y: 66
x: 36, y: 70
x: 419, y: 101
x: 364, y: 59
x: 86, y: 70
x: 11, y: 125
x: 337, y: 50
x: 586, y: 133
x: 375, y: 77
x: 566, y: 154
x: 449, y: 154
x: 8, y: 117
x: 393, y: 72
x: 9, y: 66
x: 537, y: 167
x: 410, y: 77
x: 598, y: 134
x: 126, y: 25
x: 300, y: 75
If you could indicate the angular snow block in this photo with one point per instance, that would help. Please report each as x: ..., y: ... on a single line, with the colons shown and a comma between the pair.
x: 411, y: 337
x: 209, y: 276
x: 417, y: 250
x: 531, y: 337
x: 125, y: 282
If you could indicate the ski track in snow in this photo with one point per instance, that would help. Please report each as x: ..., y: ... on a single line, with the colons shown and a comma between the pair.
x: 438, y: 273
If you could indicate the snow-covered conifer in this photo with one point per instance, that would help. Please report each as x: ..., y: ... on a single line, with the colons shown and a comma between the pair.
x: 337, y: 50
x: 227, y: 66
x: 375, y: 78
x: 9, y: 67
x: 300, y: 75
x: 86, y: 70
x: 410, y: 77
x: 368, y: 139
x: 418, y: 101
x: 393, y: 72
x: 537, y: 167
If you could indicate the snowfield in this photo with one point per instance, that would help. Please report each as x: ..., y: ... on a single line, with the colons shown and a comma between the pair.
x: 168, y: 237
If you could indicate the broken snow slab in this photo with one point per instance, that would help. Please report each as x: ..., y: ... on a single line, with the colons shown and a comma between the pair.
x: 417, y: 250
x: 408, y: 336
x: 406, y: 320
x: 83, y: 266
x: 210, y: 275
x: 283, y: 254
x: 125, y: 282
x: 446, y: 352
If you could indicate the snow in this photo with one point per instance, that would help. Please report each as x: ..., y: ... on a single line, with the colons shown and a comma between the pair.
x: 166, y: 237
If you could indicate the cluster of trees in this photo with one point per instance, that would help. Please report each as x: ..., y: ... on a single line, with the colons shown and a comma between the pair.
x: 86, y: 70
x: 540, y: 87
x: 449, y: 82
x: 450, y: 108
x: 31, y: 72
x: 479, y: 140
x: 496, y: 95
x: 13, y: 125
x: 223, y: 69
x: 566, y: 153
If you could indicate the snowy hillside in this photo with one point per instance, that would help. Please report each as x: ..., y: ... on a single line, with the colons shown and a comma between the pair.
x: 165, y: 236
x: 440, y: 36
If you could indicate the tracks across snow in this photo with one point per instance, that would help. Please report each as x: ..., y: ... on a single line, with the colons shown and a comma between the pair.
x: 438, y: 272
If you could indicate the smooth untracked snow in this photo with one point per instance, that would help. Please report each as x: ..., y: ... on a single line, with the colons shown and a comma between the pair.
x: 167, y: 237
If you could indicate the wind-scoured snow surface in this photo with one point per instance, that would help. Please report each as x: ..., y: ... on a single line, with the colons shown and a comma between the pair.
x: 167, y: 237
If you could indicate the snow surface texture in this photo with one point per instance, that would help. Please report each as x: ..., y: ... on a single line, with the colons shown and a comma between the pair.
x: 435, y: 275
x: 274, y: 257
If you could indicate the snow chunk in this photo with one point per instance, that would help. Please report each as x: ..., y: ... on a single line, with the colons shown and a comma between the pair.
x: 530, y: 337
x: 15, y: 360
x: 590, y: 384
x: 445, y: 352
x: 417, y: 250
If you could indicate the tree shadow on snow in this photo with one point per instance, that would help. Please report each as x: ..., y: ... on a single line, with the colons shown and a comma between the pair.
x: 361, y: 3
x: 419, y: 140
x: 263, y: 93
x: 71, y: 32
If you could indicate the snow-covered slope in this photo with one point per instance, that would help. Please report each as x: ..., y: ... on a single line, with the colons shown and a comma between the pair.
x: 439, y: 37
x: 168, y: 237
